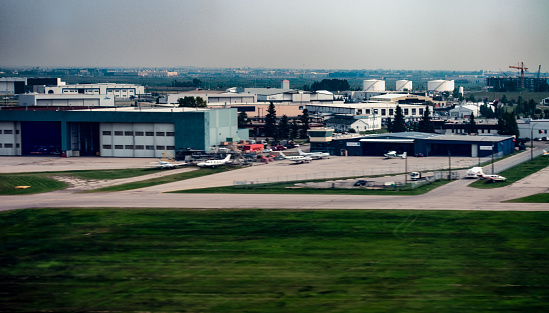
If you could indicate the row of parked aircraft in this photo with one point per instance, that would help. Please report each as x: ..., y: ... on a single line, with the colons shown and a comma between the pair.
x: 165, y: 165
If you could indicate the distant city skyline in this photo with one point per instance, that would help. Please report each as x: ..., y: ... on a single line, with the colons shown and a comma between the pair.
x: 350, y: 34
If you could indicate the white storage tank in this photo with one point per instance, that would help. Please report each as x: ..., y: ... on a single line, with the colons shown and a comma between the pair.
x: 285, y: 84
x: 373, y: 85
x: 440, y: 85
x: 403, y: 84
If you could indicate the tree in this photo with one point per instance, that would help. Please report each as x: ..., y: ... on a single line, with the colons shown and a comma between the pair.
x: 284, y: 128
x: 425, y: 124
x: 304, y: 118
x: 242, y: 119
x: 399, y: 124
x: 192, y: 102
x: 294, y: 130
x: 270, y: 121
x: 472, y: 125
x: 389, y: 125
x: 507, y: 124
x: 486, y: 111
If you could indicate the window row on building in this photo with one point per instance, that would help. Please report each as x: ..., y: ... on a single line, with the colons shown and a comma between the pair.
x: 8, y: 145
x: 383, y: 112
x: 137, y: 133
x: 138, y: 147
x: 8, y: 131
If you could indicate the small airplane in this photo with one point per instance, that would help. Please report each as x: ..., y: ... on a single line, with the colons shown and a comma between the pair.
x: 492, y: 178
x: 393, y: 154
x: 214, y: 163
x: 296, y: 158
x: 314, y: 155
x: 165, y: 165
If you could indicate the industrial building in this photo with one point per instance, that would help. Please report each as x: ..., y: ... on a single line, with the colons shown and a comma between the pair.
x: 120, y: 91
x: 414, y: 143
x: 19, y: 85
x: 77, y: 100
x: 534, y: 129
x: 380, y: 110
x: 113, y: 132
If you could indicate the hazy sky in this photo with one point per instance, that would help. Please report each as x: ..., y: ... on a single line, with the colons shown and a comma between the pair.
x: 320, y: 34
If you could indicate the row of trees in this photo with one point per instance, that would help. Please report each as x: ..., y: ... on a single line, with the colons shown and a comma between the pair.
x: 285, y: 129
x: 425, y: 125
x: 194, y: 83
x: 192, y: 102
x: 329, y: 84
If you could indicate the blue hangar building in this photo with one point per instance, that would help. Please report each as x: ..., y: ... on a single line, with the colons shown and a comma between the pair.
x: 426, y: 144
x: 113, y: 132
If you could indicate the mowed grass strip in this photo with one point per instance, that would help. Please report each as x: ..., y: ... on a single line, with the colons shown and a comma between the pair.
x: 289, y: 188
x: 41, y: 182
x: 129, y: 260
x: 164, y: 179
x: 514, y: 174
x: 537, y: 198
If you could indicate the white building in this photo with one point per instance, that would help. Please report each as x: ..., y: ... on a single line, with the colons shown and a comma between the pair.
x: 464, y: 111
x: 211, y: 97
x: 344, y: 123
x: 121, y: 91
x: 534, y: 129
x: 440, y: 85
x: 12, y: 85
x: 383, y: 110
x: 49, y: 100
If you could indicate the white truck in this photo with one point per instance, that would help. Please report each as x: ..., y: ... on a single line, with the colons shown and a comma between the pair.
x: 474, y: 172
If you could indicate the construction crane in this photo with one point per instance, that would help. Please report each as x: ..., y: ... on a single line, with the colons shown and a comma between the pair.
x: 521, y: 67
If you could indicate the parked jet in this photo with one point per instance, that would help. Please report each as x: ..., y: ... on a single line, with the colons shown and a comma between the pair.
x: 165, y: 165
x: 314, y: 155
x: 214, y: 163
x: 393, y: 154
x: 492, y: 178
x: 296, y: 158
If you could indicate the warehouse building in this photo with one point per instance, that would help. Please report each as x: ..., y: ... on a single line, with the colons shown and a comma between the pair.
x: 122, y: 91
x: 426, y: 144
x: 114, y: 132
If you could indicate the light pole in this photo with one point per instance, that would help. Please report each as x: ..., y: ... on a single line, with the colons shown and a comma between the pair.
x: 449, y: 166
x: 532, y: 141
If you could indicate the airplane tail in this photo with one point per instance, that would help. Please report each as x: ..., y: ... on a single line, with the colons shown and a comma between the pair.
x: 228, y: 157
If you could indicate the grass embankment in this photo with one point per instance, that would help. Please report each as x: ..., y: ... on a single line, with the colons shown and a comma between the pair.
x: 41, y: 182
x: 537, y: 198
x: 289, y: 188
x: 164, y: 179
x: 514, y: 174
x: 129, y: 260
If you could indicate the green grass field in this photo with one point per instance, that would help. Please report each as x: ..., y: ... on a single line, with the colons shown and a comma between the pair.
x: 514, y: 174
x: 126, y: 260
x: 537, y: 198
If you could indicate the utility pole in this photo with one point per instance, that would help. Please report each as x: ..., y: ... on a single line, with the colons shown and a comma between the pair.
x: 449, y: 166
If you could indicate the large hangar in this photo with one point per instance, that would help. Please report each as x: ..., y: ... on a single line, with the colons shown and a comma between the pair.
x: 426, y: 144
x: 116, y: 132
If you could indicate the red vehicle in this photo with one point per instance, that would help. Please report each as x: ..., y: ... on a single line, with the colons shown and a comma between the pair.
x: 279, y: 148
x: 254, y: 147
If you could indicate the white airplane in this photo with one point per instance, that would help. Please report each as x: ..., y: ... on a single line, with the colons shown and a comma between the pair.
x: 492, y: 178
x: 165, y: 165
x: 296, y: 158
x: 314, y: 155
x: 214, y: 163
x: 393, y: 154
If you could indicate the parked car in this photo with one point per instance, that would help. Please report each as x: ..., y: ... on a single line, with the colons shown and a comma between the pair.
x: 267, y: 150
x: 279, y: 148
x: 360, y: 182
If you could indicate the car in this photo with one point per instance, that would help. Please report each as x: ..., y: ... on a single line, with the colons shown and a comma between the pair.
x: 267, y: 150
x: 360, y: 182
x: 279, y: 148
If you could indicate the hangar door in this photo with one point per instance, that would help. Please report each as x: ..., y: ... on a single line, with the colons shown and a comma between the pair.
x: 84, y: 138
x: 145, y: 140
x: 41, y: 138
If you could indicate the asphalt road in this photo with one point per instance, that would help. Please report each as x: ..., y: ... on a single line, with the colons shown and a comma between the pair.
x: 453, y: 196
